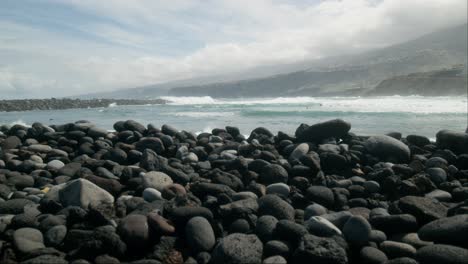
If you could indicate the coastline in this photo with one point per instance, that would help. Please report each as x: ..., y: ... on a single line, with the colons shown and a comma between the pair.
x: 65, y: 103
x: 144, y: 194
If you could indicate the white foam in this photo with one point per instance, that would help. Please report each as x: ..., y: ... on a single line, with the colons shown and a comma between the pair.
x: 203, y: 114
x: 189, y: 100
x: 112, y: 104
x: 411, y: 104
x: 19, y: 122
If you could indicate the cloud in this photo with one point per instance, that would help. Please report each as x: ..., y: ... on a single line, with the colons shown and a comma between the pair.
x: 113, y: 44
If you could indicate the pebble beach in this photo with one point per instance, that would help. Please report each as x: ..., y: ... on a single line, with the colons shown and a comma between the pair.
x: 78, y: 193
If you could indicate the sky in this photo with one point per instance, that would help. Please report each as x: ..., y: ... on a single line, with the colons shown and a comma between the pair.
x: 54, y: 48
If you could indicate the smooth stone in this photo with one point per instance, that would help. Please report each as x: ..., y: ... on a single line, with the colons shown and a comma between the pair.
x: 437, y: 175
x: 97, y: 132
x: 314, y: 209
x: 150, y: 195
x: 377, y: 236
x: 55, y: 165
x: 172, y: 190
x: 28, y: 239
x: 387, y: 148
x: 321, y: 195
x: 357, y: 230
x: 55, y: 235
x: 371, y: 186
x: 424, y: 209
x: 336, y: 128
x: 238, y: 248
x: 442, y: 254
x: 288, y: 230
x: 439, y: 195
x: 134, y: 231
x: 276, y: 247
x: 80, y: 192
x: 46, y: 259
x: 275, y: 260
x: 371, y: 255
x: 299, y: 152
x: 14, y: 206
x: 11, y: 142
x: 455, y: 141
x: 273, y: 173
x: 320, y: 226
x: 200, y: 235
x: 313, y: 249
x: 21, y: 181
x: 338, y: 218
x: 155, y: 179
x: 403, y: 260
x: 411, y: 239
x: 397, y: 249
x: 265, y: 227
x: 40, y: 148
x: 397, y: 223
x: 436, y: 162
x: 278, y: 188
x: 447, y: 230
x: 160, y: 224
x: 271, y: 204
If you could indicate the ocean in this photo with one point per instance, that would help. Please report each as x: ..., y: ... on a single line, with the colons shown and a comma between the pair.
x: 370, y: 115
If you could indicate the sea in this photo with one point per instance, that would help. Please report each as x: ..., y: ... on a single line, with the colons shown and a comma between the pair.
x: 367, y: 115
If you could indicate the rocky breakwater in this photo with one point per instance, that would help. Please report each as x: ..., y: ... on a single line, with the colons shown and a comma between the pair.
x: 66, y: 103
x: 75, y: 193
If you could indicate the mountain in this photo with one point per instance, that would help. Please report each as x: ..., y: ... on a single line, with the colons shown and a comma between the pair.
x: 447, y: 82
x: 357, y: 74
x: 351, y: 75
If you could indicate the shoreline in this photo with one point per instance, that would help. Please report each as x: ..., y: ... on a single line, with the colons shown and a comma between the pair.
x: 22, y: 105
x: 146, y: 194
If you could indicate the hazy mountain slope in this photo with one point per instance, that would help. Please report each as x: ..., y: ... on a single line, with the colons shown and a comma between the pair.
x: 341, y: 75
x: 447, y: 82
x: 356, y: 74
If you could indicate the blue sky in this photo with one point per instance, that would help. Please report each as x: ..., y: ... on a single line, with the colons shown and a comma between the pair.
x: 65, y: 47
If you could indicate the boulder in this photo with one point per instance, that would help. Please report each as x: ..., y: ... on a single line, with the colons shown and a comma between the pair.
x: 79, y: 192
x: 336, y: 128
x: 387, y: 148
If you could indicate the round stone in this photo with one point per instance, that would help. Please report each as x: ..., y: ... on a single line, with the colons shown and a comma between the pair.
x: 278, y: 188
x: 200, y: 235
x: 357, y: 230
x: 28, y: 239
x: 150, y: 195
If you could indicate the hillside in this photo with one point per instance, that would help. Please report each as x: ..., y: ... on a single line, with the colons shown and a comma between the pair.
x: 355, y: 75
x: 433, y: 83
x: 344, y: 75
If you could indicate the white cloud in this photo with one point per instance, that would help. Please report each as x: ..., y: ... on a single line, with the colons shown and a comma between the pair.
x: 215, y: 36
